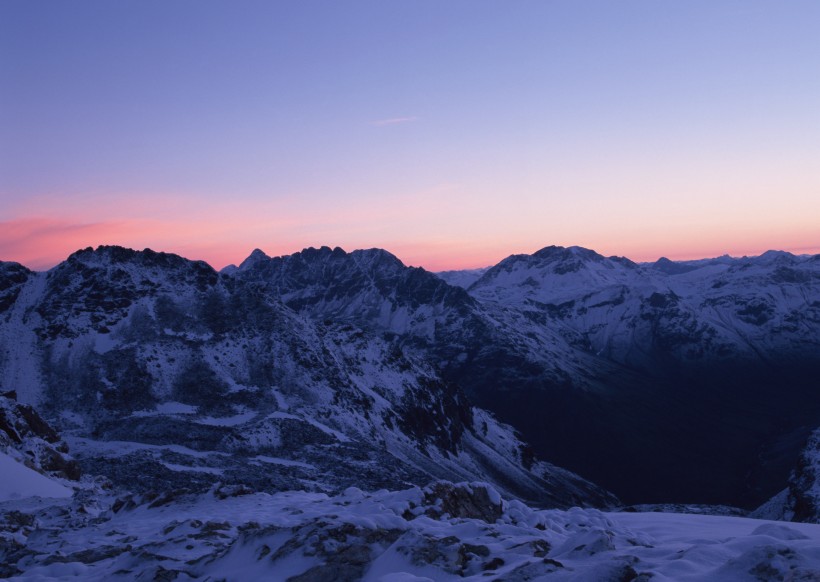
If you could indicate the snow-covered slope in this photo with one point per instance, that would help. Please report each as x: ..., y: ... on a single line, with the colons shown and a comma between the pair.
x: 714, y: 310
x: 20, y: 481
x: 653, y: 358
x: 704, y: 370
x: 33, y: 458
x: 443, y: 532
x: 167, y: 375
x: 714, y: 361
x: 228, y: 422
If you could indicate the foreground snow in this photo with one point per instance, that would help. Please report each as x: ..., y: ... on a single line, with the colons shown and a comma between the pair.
x: 19, y: 482
x: 443, y: 532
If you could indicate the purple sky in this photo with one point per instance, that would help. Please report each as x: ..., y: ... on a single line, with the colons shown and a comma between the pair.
x: 450, y: 133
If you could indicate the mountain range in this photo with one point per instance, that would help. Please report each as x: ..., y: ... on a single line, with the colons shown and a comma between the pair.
x: 688, y: 381
x: 164, y: 374
x: 142, y: 380
x: 704, y: 371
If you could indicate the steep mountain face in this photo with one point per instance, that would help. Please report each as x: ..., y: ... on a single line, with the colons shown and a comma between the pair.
x: 369, y: 288
x: 373, y: 290
x: 471, y: 344
x: 714, y: 363
x: 804, y: 485
x: 605, y: 365
x: 704, y: 371
x: 166, y: 375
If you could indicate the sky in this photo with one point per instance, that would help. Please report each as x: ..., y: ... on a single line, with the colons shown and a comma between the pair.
x: 452, y: 134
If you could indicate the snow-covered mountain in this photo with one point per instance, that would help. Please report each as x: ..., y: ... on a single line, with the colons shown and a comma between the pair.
x: 713, y: 363
x: 576, y: 350
x: 766, y: 306
x: 238, y: 425
x: 165, y: 374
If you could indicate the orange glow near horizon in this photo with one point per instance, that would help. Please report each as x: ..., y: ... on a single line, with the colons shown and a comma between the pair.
x: 442, y: 227
x: 41, y: 243
x: 677, y: 130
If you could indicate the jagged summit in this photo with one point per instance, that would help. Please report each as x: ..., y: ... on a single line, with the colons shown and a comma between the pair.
x: 334, y: 258
x: 376, y: 257
x: 256, y: 257
x: 371, y: 287
x: 365, y: 257
x: 118, y: 254
x: 146, y: 265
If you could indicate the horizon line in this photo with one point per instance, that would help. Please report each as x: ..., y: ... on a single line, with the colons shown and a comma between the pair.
x: 43, y: 269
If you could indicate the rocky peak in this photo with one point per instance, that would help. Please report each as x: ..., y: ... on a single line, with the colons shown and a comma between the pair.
x: 331, y: 282
x: 377, y: 258
x: 257, y: 257
x: 98, y: 287
x: 112, y: 256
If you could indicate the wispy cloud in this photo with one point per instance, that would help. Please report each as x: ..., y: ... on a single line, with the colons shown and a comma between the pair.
x: 393, y: 121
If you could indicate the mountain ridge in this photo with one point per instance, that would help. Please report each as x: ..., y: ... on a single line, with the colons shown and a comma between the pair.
x: 158, y: 352
x: 545, y: 339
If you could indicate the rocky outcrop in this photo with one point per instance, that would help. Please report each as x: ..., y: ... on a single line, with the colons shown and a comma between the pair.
x: 804, y: 484
x: 26, y: 436
x: 800, y: 501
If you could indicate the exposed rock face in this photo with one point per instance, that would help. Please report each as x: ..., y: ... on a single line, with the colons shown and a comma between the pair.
x: 800, y: 501
x: 804, y: 485
x: 93, y: 290
x: 26, y: 436
x: 462, y: 501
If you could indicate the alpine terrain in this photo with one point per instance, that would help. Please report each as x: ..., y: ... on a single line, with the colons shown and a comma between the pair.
x: 341, y: 416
